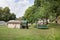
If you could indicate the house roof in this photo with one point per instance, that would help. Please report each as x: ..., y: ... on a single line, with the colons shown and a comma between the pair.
x: 2, y: 22
x: 14, y: 22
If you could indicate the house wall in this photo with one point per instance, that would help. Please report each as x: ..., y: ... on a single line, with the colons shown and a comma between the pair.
x: 58, y: 21
x: 18, y: 25
x: 13, y: 25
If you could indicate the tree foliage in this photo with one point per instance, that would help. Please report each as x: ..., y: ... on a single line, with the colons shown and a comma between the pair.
x: 5, y: 14
x: 49, y: 9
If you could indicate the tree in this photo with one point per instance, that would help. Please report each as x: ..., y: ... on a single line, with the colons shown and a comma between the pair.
x: 5, y: 14
x: 12, y: 16
x: 1, y: 14
x: 48, y: 9
x: 6, y: 10
x: 29, y: 14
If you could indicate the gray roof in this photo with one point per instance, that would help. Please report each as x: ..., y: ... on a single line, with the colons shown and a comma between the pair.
x: 2, y: 22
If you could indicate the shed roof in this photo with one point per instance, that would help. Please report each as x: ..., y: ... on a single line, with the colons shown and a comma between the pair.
x: 14, y: 22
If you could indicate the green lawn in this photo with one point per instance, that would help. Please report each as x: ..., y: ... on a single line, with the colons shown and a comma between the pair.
x: 30, y: 34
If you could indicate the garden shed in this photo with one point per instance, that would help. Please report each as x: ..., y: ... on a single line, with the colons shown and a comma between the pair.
x: 58, y: 20
x: 14, y: 24
x: 18, y: 24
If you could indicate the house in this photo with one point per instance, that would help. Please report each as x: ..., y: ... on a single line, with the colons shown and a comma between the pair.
x: 14, y: 24
x: 58, y: 20
x: 40, y: 22
x: 3, y: 23
x: 18, y: 24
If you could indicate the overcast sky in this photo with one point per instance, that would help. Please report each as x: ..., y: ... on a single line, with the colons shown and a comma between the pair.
x: 17, y: 6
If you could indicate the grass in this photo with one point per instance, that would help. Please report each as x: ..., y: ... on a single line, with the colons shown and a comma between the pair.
x: 56, y: 30
x: 30, y: 34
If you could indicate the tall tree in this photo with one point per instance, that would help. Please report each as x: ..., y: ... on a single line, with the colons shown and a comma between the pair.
x: 1, y: 14
x: 5, y: 14
x: 12, y: 16
x: 48, y: 9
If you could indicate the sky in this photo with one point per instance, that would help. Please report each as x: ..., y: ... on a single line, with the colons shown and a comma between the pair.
x: 17, y: 6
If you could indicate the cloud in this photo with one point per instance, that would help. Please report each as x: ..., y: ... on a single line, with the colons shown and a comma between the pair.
x: 16, y: 6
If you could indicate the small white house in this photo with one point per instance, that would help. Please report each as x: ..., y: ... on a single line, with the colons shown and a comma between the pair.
x: 40, y: 22
x: 14, y: 24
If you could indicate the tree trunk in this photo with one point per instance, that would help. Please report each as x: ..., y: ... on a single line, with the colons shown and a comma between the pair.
x: 46, y: 20
x: 56, y: 19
